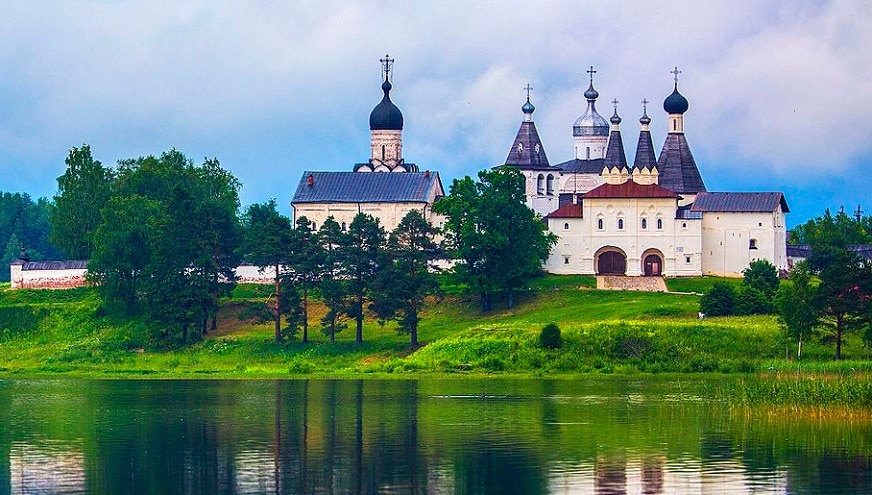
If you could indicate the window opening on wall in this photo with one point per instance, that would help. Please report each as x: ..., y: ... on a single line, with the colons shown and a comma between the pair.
x: 314, y: 227
x: 588, y: 152
x: 566, y: 226
x: 659, y: 224
x: 565, y: 260
x: 752, y: 244
x: 383, y: 152
x: 550, y: 185
x: 687, y: 259
x: 683, y: 225
x: 344, y: 227
x: 599, y: 223
x: 620, y: 224
x: 540, y: 184
x: 644, y: 223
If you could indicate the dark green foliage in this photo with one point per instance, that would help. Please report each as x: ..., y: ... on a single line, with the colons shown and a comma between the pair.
x: 549, y: 337
x: 719, y: 301
x: 266, y: 242
x: 407, y: 275
x: 795, y: 303
x: 361, y: 253
x: 23, y: 224
x: 82, y: 192
x: 305, y: 267
x: 842, y: 229
x: 751, y: 301
x: 499, y: 241
x: 19, y: 320
x: 762, y: 276
x: 167, y: 242
x: 330, y: 240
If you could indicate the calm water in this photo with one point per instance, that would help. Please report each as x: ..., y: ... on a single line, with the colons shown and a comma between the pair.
x: 430, y: 436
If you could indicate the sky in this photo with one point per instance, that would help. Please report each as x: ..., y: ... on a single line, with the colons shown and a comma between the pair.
x: 780, y: 92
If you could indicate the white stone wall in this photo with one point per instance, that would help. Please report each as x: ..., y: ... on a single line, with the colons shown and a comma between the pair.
x: 250, y: 274
x: 47, y: 279
x: 386, y: 148
x: 727, y: 237
x: 538, y: 198
x: 580, y: 239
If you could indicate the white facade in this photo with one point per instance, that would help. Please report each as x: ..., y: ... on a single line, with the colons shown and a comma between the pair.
x: 389, y: 214
x: 733, y: 240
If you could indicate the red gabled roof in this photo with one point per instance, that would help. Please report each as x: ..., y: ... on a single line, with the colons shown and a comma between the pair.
x: 567, y: 211
x: 629, y: 189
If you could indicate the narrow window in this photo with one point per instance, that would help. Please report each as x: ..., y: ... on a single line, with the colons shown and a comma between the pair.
x: 566, y: 260
x: 659, y: 224
x: 588, y: 152
x: 550, y: 185
x: 599, y: 223
x: 752, y: 244
x: 314, y: 227
x: 620, y: 224
x: 674, y: 125
x: 540, y: 184
x: 520, y: 148
x: 344, y: 228
x: 687, y: 259
x: 566, y: 226
x: 644, y: 224
x: 683, y: 225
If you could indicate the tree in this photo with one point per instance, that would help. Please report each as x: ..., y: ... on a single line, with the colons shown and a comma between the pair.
x: 267, y: 243
x: 407, y: 276
x: 718, y: 301
x: 842, y: 229
x: 842, y: 298
x: 359, y: 265
x: 751, y: 301
x: 500, y: 242
x: 167, y: 242
x: 82, y: 191
x: 24, y: 225
x: 331, y: 238
x: 763, y: 276
x: 795, y: 304
x: 305, y: 266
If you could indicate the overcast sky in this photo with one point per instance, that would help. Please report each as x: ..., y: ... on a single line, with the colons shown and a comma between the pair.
x: 780, y: 92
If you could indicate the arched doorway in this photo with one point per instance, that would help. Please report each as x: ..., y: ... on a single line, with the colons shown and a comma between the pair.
x: 652, y: 263
x: 611, y: 262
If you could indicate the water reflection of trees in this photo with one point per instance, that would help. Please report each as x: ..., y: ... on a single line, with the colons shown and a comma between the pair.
x: 361, y: 437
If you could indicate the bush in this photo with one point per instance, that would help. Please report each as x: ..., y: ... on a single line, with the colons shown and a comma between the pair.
x: 763, y: 276
x: 751, y: 301
x: 719, y: 301
x: 549, y: 337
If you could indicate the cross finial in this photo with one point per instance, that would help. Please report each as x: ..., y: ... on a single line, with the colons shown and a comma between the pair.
x: 675, y: 72
x: 615, y: 103
x: 528, y: 88
x: 387, y: 65
x: 591, y: 72
x: 645, y: 103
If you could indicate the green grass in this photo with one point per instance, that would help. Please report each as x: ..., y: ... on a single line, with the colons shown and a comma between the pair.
x: 604, y: 332
x: 698, y: 285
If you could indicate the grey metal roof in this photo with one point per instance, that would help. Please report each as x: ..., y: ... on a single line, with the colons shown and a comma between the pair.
x: 367, y: 187
x: 577, y: 166
x: 615, y: 156
x: 685, y: 213
x: 645, y: 152
x: 528, y: 152
x: 677, y: 167
x: 741, y: 202
x: 55, y: 265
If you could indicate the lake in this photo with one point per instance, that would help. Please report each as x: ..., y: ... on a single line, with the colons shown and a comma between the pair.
x: 463, y: 436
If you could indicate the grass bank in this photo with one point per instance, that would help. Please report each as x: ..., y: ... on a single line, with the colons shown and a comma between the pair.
x: 64, y: 332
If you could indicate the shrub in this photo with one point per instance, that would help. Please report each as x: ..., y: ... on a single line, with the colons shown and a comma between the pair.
x: 549, y: 337
x: 719, y: 301
x: 763, y: 276
x: 751, y: 301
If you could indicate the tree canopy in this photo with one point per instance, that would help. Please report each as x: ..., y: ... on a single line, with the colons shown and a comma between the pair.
x: 499, y: 241
x: 24, y: 224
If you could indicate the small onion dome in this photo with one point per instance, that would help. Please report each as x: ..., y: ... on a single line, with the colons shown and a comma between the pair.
x: 528, y: 107
x: 615, y: 118
x: 386, y: 116
x: 591, y: 94
x: 675, y: 103
x: 645, y: 119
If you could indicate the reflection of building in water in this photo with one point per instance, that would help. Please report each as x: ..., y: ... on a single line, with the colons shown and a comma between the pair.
x: 659, y: 475
x: 46, y: 468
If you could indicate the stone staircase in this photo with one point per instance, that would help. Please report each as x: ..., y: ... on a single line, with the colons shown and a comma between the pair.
x: 617, y: 282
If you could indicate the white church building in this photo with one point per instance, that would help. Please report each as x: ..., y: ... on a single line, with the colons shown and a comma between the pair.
x: 652, y: 218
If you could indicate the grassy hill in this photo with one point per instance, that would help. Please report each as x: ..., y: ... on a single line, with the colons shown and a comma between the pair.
x: 51, y: 332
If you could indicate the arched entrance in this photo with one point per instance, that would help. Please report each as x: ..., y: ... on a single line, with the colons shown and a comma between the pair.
x: 652, y: 263
x: 611, y: 261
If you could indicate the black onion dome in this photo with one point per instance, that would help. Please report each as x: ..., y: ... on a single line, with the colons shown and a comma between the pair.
x: 386, y: 116
x: 616, y: 119
x: 645, y: 119
x: 675, y: 103
x: 591, y: 94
